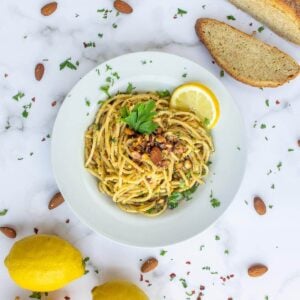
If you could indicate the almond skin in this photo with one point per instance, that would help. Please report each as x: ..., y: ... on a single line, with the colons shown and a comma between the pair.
x: 56, y: 200
x: 9, y: 232
x: 49, y: 9
x: 149, y: 265
x: 123, y: 7
x: 39, y: 71
x: 156, y: 155
x: 259, y: 205
x: 257, y: 270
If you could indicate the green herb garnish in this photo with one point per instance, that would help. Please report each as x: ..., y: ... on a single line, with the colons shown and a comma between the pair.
x: 68, y: 64
x: 130, y: 88
x: 105, y: 89
x: 261, y: 28
x: 3, y: 212
x: 263, y: 126
x: 36, y: 295
x: 163, y: 93
x: 181, y: 12
x: 176, y: 197
x: 18, y: 96
x: 183, y: 282
x: 222, y: 73
x: 215, y: 202
x: 231, y: 18
x: 163, y: 252
x: 140, y: 118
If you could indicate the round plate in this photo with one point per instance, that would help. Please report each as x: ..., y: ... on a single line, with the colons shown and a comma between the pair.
x: 145, y: 71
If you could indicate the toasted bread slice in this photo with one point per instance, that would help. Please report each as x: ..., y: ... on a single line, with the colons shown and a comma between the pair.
x: 244, y: 57
x: 282, y: 16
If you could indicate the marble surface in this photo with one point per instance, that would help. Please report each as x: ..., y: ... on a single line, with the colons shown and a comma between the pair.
x: 27, y: 183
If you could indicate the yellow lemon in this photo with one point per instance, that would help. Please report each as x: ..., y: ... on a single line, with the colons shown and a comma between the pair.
x: 198, y: 98
x: 44, y: 263
x: 118, y: 290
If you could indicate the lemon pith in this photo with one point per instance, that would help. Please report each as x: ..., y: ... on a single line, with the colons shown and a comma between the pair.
x: 118, y: 290
x: 198, y: 98
x: 44, y: 263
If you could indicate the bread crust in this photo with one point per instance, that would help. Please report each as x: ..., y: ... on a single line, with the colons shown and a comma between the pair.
x: 200, y: 32
x: 291, y: 9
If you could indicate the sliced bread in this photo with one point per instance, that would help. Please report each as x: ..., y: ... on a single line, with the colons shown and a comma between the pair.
x: 282, y: 16
x: 244, y: 57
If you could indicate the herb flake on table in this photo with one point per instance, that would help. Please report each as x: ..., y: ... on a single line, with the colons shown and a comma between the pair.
x: 87, y: 102
x: 181, y: 12
x: 184, y: 75
x: 214, y: 201
x: 279, y: 165
x: 68, y: 64
x: 26, y: 108
x: 163, y: 252
x: 231, y: 18
x: 114, y: 25
x: 18, y: 96
x: 176, y: 197
x: 222, y: 73
x: 273, y: 186
x: 3, y: 212
x: 261, y: 29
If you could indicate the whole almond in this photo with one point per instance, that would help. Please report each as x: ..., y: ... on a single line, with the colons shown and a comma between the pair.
x: 156, y: 155
x: 39, y: 71
x: 123, y: 7
x: 49, y: 9
x: 149, y: 265
x: 259, y: 205
x: 56, y: 200
x: 257, y: 270
x: 9, y: 232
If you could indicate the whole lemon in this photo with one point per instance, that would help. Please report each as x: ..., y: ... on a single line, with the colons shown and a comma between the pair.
x: 118, y: 290
x: 43, y: 263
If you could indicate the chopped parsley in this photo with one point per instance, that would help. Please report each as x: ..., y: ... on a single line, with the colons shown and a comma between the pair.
x: 226, y: 251
x: 116, y: 74
x: 214, y: 201
x: 231, y: 18
x: 114, y: 25
x: 89, y: 44
x: 84, y: 261
x: 163, y: 93
x: 18, y: 96
x: 25, y: 112
x: 184, y: 75
x: 105, y: 89
x: 87, y: 102
x: 68, y: 64
x: 130, y: 88
x: 163, y: 252
x: 104, y: 12
x: 3, y: 212
x: 279, y: 165
x: 222, y: 73
x: 100, y: 35
x: 201, y: 247
x: 36, y: 295
x: 217, y: 238
x: 183, y: 282
x: 261, y: 28
x: 267, y: 102
x: 290, y: 150
x: 181, y: 12
x: 107, y: 68
x: 140, y: 118
x: 206, y: 122
x: 273, y: 186
x: 263, y: 126
x: 176, y: 197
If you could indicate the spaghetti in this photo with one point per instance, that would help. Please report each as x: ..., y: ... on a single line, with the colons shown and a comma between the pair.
x: 141, y: 171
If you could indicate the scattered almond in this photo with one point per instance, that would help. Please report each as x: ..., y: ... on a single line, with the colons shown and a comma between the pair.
x: 9, y: 232
x: 259, y: 205
x: 49, y: 9
x: 257, y: 270
x: 39, y: 71
x: 149, y: 265
x: 123, y: 7
x: 56, y: 200
x: 156, y: 155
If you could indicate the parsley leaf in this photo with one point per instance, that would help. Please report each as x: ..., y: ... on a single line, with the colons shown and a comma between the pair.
x: 36, y: 295
x: 176, y: 197
x: 261, y: 28
x: 67, y: 63
x: 181, y: 12
x: 130, y: 88
x: 140, y: 117
x: 215, y: 202
x: 3, y: 212
x: 231, y: 18
x: 163, y: 252
x: 183, y: 282
x: 163, y: 93
x: 18, y: 96
x: 222, y: 73
x: 105, y: 89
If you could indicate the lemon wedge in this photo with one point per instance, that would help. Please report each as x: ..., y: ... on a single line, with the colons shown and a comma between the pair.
x: 197, y: 98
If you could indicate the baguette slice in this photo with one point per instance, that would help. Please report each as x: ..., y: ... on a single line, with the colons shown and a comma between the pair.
x: 282, y: 16
x: 244, y: 57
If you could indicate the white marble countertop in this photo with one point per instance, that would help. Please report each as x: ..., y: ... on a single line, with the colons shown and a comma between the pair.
x: 27, y: 181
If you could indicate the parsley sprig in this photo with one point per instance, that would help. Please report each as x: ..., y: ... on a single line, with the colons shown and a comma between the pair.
x: 140, y: 118
x: 176, y: 197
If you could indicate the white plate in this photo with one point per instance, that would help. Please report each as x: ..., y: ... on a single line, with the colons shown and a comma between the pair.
x: 147, y: 71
